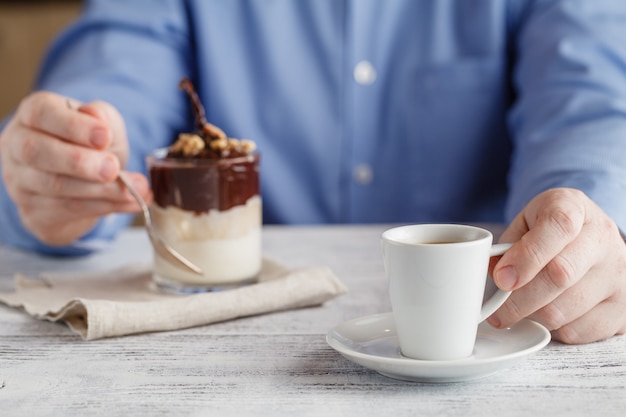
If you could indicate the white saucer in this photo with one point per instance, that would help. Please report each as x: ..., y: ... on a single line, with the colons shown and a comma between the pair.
x: 372, y: 342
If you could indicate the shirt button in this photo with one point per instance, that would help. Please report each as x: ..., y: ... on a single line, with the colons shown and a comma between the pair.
x: 363, y: 174
x: 364, y: 73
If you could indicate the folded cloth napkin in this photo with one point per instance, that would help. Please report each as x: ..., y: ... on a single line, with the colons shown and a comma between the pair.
x: 125, y: 301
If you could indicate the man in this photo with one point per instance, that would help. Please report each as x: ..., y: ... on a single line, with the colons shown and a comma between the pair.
x: 364, y: 111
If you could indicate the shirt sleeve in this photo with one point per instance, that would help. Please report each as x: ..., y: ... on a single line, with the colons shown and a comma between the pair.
x: 569, y: 121
x: 133, y: 57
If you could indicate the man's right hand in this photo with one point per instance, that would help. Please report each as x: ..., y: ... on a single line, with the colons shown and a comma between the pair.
x: 60, y: 161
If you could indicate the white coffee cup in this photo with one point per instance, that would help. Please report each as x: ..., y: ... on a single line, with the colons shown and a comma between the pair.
x: 437, y: 275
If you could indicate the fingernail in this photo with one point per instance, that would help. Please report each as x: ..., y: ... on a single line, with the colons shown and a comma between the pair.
x: 507, y: 278
x: 108, y: 168
x: 99, y: 138
x: 494, y: 322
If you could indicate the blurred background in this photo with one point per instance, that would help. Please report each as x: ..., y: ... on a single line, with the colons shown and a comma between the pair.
x: 26, y: 29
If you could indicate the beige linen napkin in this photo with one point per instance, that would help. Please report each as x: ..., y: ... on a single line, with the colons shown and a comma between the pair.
x: 124, y: 301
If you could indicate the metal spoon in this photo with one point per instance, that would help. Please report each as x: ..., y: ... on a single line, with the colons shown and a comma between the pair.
x: 166, y: 251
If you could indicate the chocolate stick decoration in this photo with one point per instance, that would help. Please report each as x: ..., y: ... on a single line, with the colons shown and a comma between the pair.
x: 200, y: 114
x: 198, y: 109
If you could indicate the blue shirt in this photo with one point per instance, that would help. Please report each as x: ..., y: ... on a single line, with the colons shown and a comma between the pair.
x: 366, y: 110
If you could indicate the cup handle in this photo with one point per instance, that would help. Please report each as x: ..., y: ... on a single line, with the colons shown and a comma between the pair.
x: 500, y: 296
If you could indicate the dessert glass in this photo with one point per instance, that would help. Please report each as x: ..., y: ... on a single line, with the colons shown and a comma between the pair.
x: 210, y: 211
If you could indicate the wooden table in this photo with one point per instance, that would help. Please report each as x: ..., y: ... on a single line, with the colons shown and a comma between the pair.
x: 277, y: 364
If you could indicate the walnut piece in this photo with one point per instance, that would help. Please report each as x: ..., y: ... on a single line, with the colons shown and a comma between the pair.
x: 189, y: 144
x: 247, y: 145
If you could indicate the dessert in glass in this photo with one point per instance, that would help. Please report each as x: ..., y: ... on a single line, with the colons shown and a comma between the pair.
x: 207, y: 206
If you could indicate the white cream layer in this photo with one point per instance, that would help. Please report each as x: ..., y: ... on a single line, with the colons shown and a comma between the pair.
x: 226, y: 245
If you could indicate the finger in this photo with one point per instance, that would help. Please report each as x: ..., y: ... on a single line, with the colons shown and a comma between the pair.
x: 556, y: 285
x: 59, y: 186
x: 54, y: 156
x: 572, y: 304
x: 50, y: 113
x: 44, y: 210
x: 557, y: 223
x: 61, y: 221
x: 607, y: 319
x: 140, y: 183
x: 62, y: 186
x: 551, y: 306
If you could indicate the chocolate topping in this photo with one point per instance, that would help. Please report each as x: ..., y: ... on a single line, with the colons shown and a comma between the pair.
x: 215, y: 185
x: 204, y: 170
